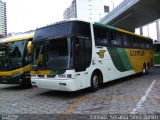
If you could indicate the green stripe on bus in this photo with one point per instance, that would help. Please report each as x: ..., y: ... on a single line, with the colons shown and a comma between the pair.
x: 115, y: 56
x: 124, y: 58
x: 105, y: 26
x: 119, y: 30
x: 120, y: 59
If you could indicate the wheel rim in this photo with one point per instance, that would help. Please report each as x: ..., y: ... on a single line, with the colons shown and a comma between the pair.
x: 95, y: 81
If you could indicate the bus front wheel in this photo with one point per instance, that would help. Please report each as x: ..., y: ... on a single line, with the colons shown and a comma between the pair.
x: 94, y: 82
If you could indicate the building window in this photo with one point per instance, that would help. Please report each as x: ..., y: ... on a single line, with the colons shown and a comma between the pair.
x: 106, y: 9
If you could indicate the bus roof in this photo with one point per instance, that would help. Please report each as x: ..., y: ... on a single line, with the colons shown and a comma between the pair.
x: 120, y: 30
x: 99, y: 24
x: 18, y: 37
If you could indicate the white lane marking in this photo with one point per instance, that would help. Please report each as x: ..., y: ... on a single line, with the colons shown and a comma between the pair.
x: 139, y: 105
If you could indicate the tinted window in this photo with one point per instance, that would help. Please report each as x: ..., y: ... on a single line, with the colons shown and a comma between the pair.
x: 142, y: 43
x: 101, y: 36
x: 63, y: 29
x: 135, y: 42
x: 49, y: 32
x: 82, y: 54
x: 82, y: 29
x: 148, y: 44
x: 126, y: 40
x: 116, y: 38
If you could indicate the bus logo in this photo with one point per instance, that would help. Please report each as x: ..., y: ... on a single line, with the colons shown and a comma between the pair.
x: 137, y: 53
x: 101, y: 53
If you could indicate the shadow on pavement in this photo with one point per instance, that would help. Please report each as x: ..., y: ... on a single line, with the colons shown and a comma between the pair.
x: 16, y: 87
x: 65, y: 94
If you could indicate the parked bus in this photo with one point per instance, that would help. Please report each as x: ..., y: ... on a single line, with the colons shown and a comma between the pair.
x: 15, y: 59
x: 73, y: 55
x: 157, y: 54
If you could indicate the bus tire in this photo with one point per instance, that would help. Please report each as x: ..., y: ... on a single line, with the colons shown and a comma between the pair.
x: 26, y: 82
x: 145, y: 69
x: 95, y: 81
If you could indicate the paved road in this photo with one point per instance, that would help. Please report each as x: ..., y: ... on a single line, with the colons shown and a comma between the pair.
x: 137, y: 94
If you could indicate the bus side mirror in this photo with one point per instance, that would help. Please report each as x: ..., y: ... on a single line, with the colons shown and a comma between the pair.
x: 29, y: 47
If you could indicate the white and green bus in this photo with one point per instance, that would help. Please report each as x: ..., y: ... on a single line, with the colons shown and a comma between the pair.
x: 73, y: 55
x: 156, y: 53
x: 15, y: 59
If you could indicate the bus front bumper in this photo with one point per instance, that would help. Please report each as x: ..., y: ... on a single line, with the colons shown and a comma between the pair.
x: 16, y: 79
x: 9, y: 80
x: 53, y: 84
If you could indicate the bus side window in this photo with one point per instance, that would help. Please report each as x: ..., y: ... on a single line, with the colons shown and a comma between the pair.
x: 149, y: 44
x: 112, y: 37
x: 142, y: 43
x: 126, y: 40
x: 105, y: 39
x: 101, y: 36
x: 135, y: 42
x: 116, y: 39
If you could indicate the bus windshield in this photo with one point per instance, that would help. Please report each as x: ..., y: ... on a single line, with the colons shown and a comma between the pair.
x: 11, y: 55
x: 2, y: 54
x: 2, y: 50
x: 52, y: 54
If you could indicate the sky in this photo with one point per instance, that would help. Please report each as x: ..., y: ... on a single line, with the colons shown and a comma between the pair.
x: 24, y: 15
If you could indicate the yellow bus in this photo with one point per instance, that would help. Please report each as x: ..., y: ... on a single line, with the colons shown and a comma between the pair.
x: 73, y: 55
x: 15, y: 56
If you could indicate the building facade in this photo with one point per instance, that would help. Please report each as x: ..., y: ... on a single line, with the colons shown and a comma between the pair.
x: 90, y: 10
x: 3, y: 19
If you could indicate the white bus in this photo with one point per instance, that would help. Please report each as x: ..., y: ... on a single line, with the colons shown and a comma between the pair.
x: 73, y: 55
